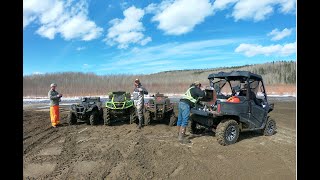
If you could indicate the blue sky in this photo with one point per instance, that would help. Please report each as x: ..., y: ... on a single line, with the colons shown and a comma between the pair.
x: 143, y: 37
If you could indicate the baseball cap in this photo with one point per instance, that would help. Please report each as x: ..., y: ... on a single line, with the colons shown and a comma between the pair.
x: 196, y: 83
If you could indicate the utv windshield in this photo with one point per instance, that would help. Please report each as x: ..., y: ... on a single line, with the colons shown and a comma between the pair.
x: 225, y: 87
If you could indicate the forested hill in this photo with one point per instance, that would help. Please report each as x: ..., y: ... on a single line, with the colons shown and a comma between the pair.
x: 90, y: 84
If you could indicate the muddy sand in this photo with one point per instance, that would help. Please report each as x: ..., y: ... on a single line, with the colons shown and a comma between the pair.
x: 122, y: 151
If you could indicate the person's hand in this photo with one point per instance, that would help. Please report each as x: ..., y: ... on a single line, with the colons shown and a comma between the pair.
x: 60, y: 95
x: 140, y: 89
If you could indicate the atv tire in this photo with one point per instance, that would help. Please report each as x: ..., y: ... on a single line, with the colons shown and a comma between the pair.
x: 147, y: 118
x: 270, y: 127
x: 72, y: 119
x: 173, y: 119
x: 132, y: 115
x: 94, y: 118
x: 227, y: 132
x: 106, y: 117
x: 101, y: 114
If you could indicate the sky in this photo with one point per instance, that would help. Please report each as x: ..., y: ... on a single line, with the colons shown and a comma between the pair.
x: 109, y: 37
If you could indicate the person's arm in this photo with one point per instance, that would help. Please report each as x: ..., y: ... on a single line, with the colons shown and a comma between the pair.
x: 142, y: 89
x: 196, y: 92
x: 53, y: 97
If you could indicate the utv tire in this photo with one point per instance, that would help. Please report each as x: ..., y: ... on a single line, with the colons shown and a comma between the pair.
x: 72, y: 119
x: 227, y: 132
x: 94, y: 118
x: 270, y: 127
x: 132, y: 115
x: 147, y: 118
x: 173, y: 120
x: 106, y: 117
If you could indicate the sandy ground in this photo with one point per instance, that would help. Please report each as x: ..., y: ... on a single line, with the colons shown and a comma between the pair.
x: 123, y: 152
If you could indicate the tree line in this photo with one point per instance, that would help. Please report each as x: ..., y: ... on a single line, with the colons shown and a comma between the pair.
x: 90, y: 84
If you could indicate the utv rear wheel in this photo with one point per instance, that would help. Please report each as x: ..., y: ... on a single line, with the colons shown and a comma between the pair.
x: 106, y: 117
x: 270, y: 127
x: 147, y: 118
x: 173, y: 120
x: 132, y: 115
x: 227, y: 132
x: 72, y: 119
x: 94, y: 118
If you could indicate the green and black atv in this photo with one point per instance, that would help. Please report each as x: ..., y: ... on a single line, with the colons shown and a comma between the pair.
x: 119, y: 107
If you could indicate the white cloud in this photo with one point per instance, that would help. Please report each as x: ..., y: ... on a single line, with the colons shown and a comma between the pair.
x: 180, y: 16
x: 278, y: 35
x: 80, y: 48
x: 169, y: 56
x: 124, y: 5
x: 70, y: 19
x: 287, y: 6
x: 260, y: 9
x: 222, y: 4
x: 37, y: 73
x: 190, y: 50
x: 86, y: 67
x: 128, y: 30
x: 278, y: 50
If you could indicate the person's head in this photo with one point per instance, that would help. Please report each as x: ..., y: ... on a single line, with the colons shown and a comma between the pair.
x: 136, y: 82
x: 53, y: 86
x: 197, y: 84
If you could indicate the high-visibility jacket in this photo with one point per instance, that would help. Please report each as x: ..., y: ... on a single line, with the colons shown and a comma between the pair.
x: 188, y: 96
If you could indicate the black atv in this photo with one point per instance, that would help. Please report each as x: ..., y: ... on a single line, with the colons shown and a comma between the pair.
x: 218, y: 110
x: 159, y: 109
x: 89, y: 110
x: 119, y: 107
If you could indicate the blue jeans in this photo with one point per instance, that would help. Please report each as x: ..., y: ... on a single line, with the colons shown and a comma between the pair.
x: 184, y: 112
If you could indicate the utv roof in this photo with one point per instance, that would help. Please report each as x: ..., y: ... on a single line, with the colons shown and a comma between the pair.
x: 235, y: 75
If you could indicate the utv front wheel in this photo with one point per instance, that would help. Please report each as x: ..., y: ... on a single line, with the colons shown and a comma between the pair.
x: 270, y: 127
x: 227, y: 132
x: 72, y: 119
x: 94, y: 117
x: 147, y: 118
x: 106, y: 117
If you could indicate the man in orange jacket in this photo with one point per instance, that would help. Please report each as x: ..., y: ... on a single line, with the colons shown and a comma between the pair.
x: 55, y: 98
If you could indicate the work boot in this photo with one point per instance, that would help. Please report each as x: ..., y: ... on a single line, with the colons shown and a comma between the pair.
x: 182, y: 137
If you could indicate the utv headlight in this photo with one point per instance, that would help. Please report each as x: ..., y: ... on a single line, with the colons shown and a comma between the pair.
x: 129, y: 103
x: 109, y: 105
